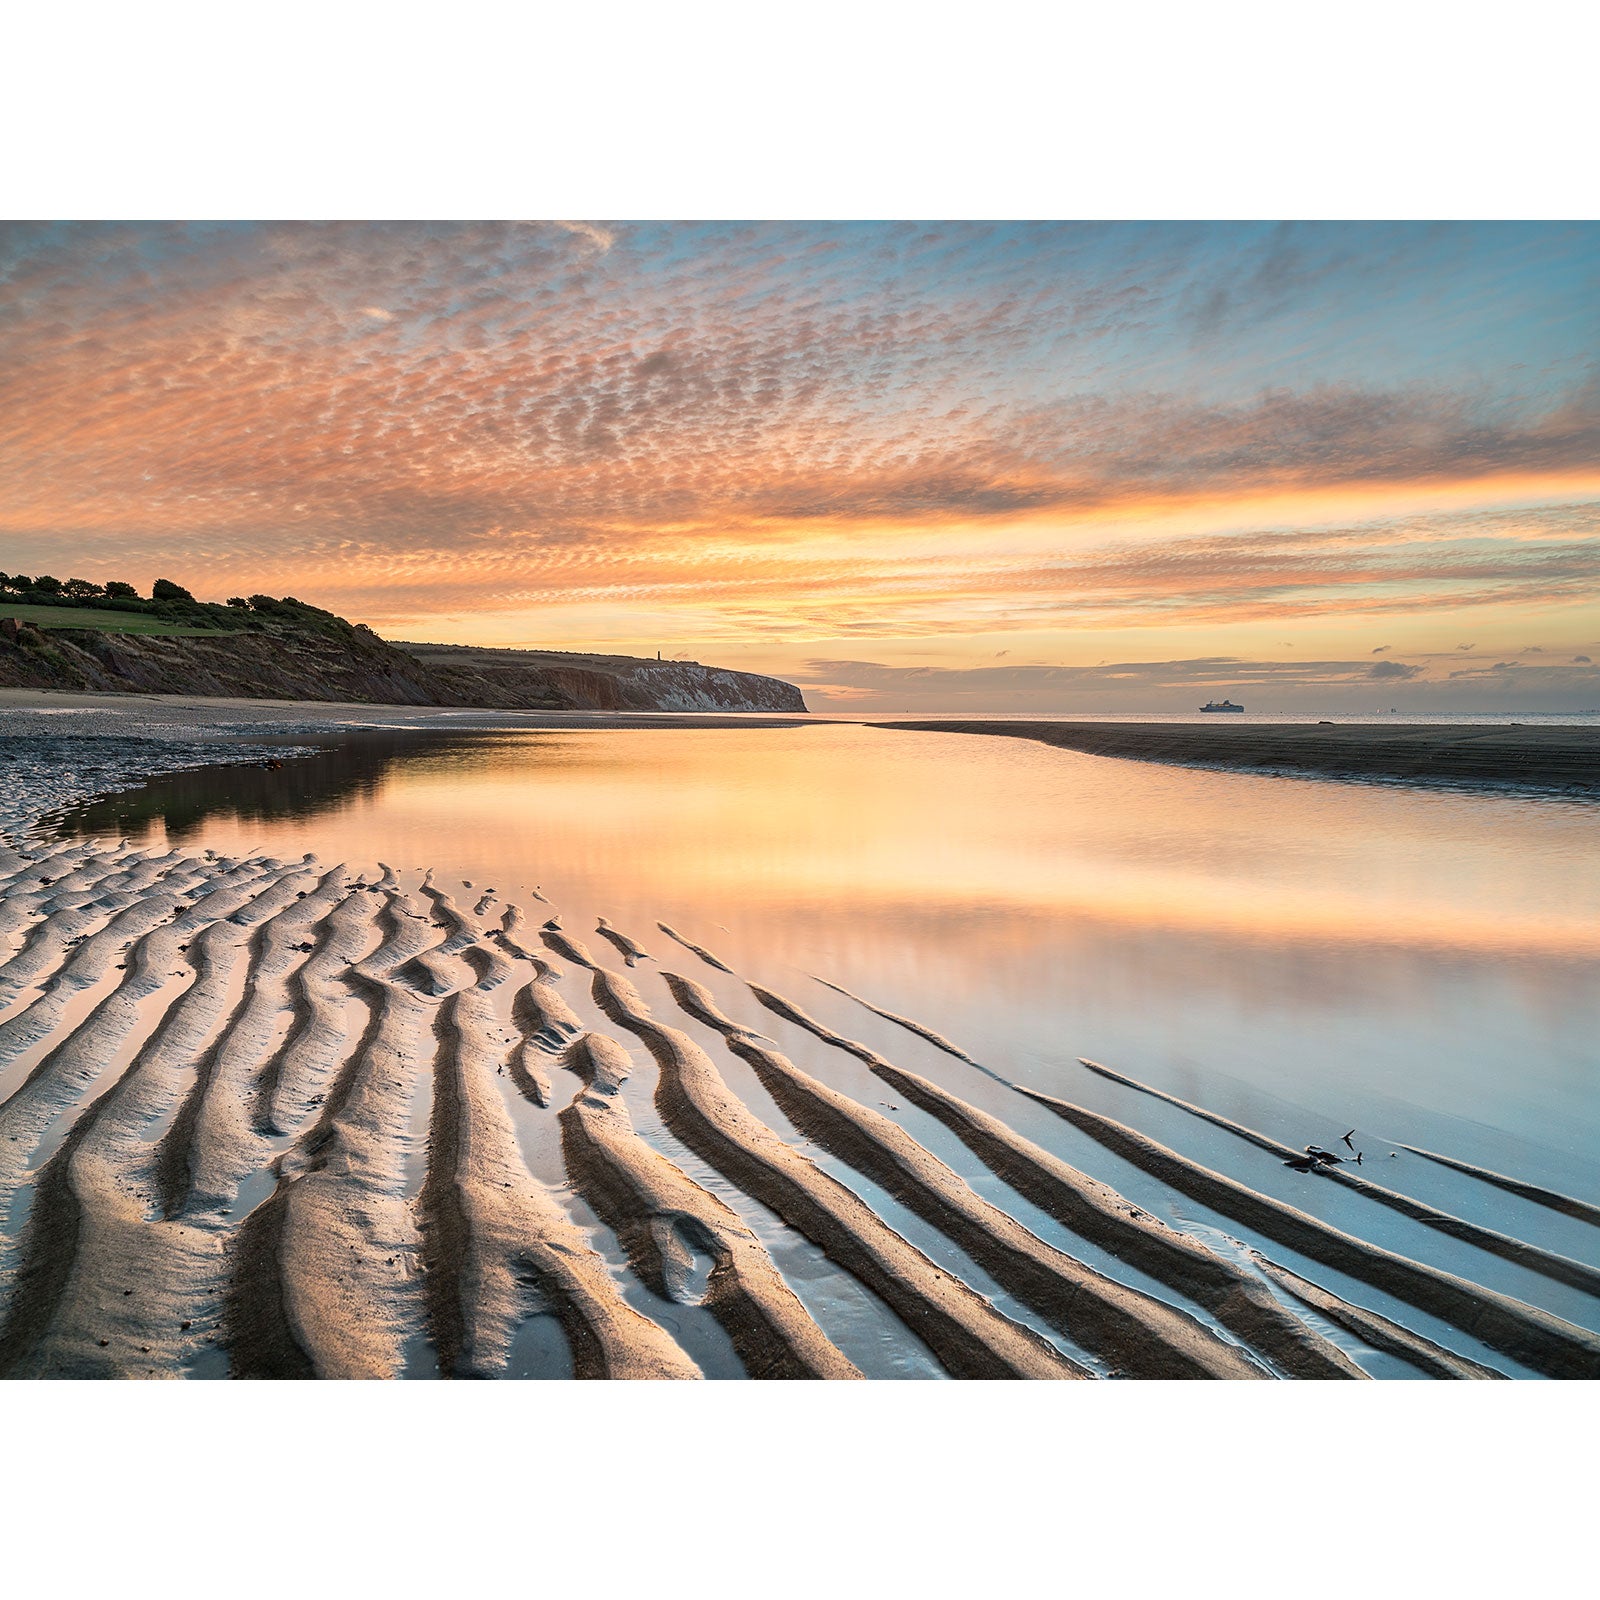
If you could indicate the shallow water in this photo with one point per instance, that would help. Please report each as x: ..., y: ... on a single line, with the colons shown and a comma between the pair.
x: 1302, y: 956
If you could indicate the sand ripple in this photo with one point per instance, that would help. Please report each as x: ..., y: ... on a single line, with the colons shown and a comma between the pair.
x: 283, y: 1119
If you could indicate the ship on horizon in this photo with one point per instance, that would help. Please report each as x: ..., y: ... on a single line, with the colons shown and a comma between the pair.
x: 1220, y: 705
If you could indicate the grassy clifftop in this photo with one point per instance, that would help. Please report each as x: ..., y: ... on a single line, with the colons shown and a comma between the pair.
x: 51, y: 618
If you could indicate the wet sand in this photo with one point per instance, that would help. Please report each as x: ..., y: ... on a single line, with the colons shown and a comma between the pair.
x: 25, y: 710
x: 1547, y: 759
x: 271, y: 1118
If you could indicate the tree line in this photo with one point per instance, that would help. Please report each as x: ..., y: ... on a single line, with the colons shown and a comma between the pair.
x: 172, y: 601
x: 50, y: 590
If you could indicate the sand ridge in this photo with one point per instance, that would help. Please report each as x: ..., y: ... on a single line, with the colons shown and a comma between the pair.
x: 1558, y: 758
x: 1562, y: 1269
x: 1098, y: 1213
x: 1144, y: 1336
x: 1548, y: 1343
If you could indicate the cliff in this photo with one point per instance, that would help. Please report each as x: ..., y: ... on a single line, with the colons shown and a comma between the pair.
x: 320, y: 657
x: 605, y: 683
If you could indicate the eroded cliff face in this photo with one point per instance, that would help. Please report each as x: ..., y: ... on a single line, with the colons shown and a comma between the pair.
x: 677, y: 686
x: 604, y: 683
x: 289, y: 665
x: 278, y: 665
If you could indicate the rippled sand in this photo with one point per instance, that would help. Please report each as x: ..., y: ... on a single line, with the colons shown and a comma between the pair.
x: 280, y: 1118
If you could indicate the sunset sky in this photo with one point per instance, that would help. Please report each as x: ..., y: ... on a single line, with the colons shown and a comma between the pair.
x: 930, y: 466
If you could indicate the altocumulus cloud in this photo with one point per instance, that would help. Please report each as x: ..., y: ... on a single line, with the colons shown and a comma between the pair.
x: 639, y: 415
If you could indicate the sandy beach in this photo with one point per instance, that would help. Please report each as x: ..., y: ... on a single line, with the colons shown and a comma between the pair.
x: 1546, y: 758
x: 266, y: 1116
x: 1563, y: 759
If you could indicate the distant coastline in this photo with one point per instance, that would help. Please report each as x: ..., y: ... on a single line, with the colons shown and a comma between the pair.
x: 83, y: 637
x: 1547, y: 759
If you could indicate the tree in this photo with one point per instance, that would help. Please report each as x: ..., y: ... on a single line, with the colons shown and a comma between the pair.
x: 165, y: 589
x: 239, y: 601
x: 121, y: 591
x: 45, y: 584
x: 19, y: 583
x: 81, y: 588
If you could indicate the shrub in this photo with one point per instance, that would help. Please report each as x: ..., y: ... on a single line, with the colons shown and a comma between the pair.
x: 165, y: 589
x: 122, y: 591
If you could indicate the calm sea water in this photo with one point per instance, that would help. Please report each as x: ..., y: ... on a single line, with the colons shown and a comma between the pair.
x: 1303, y: 956
x: 1373, y: 718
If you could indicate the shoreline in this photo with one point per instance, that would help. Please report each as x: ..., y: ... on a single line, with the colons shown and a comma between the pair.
x: 61, y: 749
x: 1484, y: 758
x: 189, y: 711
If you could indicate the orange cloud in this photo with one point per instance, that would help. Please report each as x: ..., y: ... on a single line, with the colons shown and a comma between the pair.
x: 767, y: 433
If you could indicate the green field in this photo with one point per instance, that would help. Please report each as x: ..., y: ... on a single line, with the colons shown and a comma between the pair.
x: 101, y: 621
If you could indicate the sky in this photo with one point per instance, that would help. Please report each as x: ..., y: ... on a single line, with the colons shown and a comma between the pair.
x: 929, y: 467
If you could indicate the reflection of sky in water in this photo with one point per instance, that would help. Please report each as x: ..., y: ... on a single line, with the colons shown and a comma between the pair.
x: 1290, y: 953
